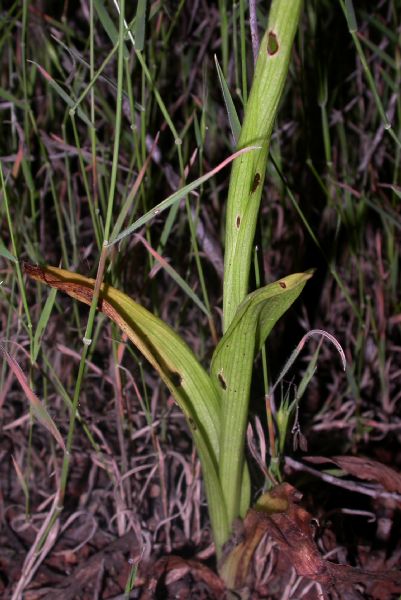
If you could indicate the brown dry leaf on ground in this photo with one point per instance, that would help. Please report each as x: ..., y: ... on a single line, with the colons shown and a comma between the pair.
x: 279, y: 516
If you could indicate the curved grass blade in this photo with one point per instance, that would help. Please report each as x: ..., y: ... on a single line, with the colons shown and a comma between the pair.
x: 181, y: 193
x: 232, y: 372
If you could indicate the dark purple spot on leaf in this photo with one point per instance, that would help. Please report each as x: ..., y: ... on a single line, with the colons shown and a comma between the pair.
x: 238, y: 221
x: 282, y: 284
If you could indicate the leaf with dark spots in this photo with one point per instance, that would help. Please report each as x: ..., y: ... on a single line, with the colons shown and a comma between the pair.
x: 170, y: 356
x: 176, y: 379
x: 234, y: 356
x: 190, y: 385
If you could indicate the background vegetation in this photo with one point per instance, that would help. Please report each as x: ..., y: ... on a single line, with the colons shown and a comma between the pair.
x: 331, y: 202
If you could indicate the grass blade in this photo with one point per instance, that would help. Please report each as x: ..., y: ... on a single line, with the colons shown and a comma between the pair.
x: 43, y: 319
x: 178, y: 195
x: 63, y: 95
x: 108, y: 24
x: 6, y: 253
x: 139, y: 27
x: 38, y: 409
x: 228, y: 101
x: 174, y: 275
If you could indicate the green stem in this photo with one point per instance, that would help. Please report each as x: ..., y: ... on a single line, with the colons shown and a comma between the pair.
x: 248, y: 173
x: 246, y: 185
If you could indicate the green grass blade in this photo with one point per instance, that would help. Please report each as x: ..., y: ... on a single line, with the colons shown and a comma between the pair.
x: 22, y: 480
x: 128, y: 202
x: 177, y: 196
x: 38, y: 409
x: 228, y: 101
x: 13, y: 245
x: 350, y: 16
x: 108, y: 24
x: 63, y: 95
x: 140, y: 22
x: 175, y: 276
x: 41, y: 326
x: 6, y: 253
x: 347, y: 7
x: 9, y: 97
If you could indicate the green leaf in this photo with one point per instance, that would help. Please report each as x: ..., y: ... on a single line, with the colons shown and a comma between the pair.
x: 176, y: 364
x: 232, y: 372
